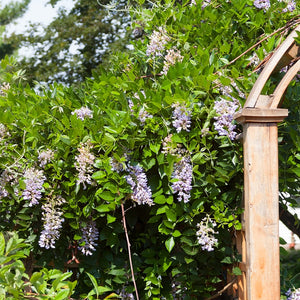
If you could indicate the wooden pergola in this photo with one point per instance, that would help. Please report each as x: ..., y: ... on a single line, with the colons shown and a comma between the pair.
x: 260, y: 235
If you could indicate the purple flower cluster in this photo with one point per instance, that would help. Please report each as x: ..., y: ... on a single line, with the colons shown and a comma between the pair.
x: 51, y: 215
x: 158, y: 40
x: 205, y: 234
x: 172, y: 56
x: 84, y: 163
x: 291, y: 6
x: 262, y: 4
x: 137, y: 179
x: 34, y: 180
x: 205, y: 3
x: 181, y: 117
x: 224, y: 121
x: 144, y: 115
x: 183, y: 174
x: 293, y: 295
x: 90, y: 235
x: 45, y: 157
x: 83, y: 113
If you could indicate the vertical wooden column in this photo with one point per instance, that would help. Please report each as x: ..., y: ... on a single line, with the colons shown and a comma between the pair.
x: 261, y: 256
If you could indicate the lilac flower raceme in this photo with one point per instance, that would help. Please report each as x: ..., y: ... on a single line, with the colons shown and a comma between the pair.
x: 83, y: 113
x: 137, y: 179
x: 181, y: 117
x: 144, y: 115
x: 84, y: 163
x: 205, y: 3
x: 45, y: 157
x: 172, y: 56
x: 52, y: 218
x: 34, y: 180
x: 90, y: 235
x: 205, y: 234
x: 224, y: 121
x: 262, y: 4
x: 291, y: 6
x: 293, y: 294
x: 183, y: 174
x: 158, y: 40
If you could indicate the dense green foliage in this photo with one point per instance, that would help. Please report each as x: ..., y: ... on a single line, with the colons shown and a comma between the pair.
x: 74, y: 157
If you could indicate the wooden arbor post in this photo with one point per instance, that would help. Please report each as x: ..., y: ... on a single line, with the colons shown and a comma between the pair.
x: 260, y: 115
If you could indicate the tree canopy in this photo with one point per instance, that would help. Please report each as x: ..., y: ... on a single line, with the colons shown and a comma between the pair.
x: 76, y: 42
x: 8, y: 14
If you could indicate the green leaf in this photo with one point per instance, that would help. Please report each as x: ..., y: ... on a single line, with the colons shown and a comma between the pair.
x: 2, y: 243
x: 170, y: 243
x: 237, y: 271
x: 61, y: 295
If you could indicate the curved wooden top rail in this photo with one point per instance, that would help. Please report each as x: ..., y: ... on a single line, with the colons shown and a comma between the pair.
x: 287, y: 51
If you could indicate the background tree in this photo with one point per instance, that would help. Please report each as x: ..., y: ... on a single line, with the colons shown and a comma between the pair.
x: 8, y: 14
x: 76, y: 42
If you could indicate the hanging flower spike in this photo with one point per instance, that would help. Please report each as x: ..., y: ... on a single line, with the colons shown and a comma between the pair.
x: 183, y: 173
x: 84, y: 163
x: 224, y: 121
x: 181, y: 117
x: 158, y: 40
x: 172, y: 56
x: 90, y: 235
x: 137, y: 179
x: 205, y: 234
x: 51, y: 215
x: 34, y: 180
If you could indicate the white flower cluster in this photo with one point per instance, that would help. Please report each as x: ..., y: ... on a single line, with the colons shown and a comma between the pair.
x: 84, y: 163
x: 83, y: 113
x: 205, y: 234
x: 158, y: 40
x: 172, y: 56
x: 3, y: 132
x: 4, y: 87
x: 51, y: 215
x: 45, y: 157
x: 90, y: 235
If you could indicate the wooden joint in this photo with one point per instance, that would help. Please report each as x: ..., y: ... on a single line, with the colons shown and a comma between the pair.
x: 260, y: 115
x: 243, y: 267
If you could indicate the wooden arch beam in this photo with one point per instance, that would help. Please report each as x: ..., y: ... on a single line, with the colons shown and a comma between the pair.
x: 284, y: 83
x: 281, y: 57
x: 260, y: 234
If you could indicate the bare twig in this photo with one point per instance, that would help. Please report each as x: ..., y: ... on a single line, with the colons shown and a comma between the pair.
x: 129, y: 250
x: 219, y: 293
x: 287, y: 26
